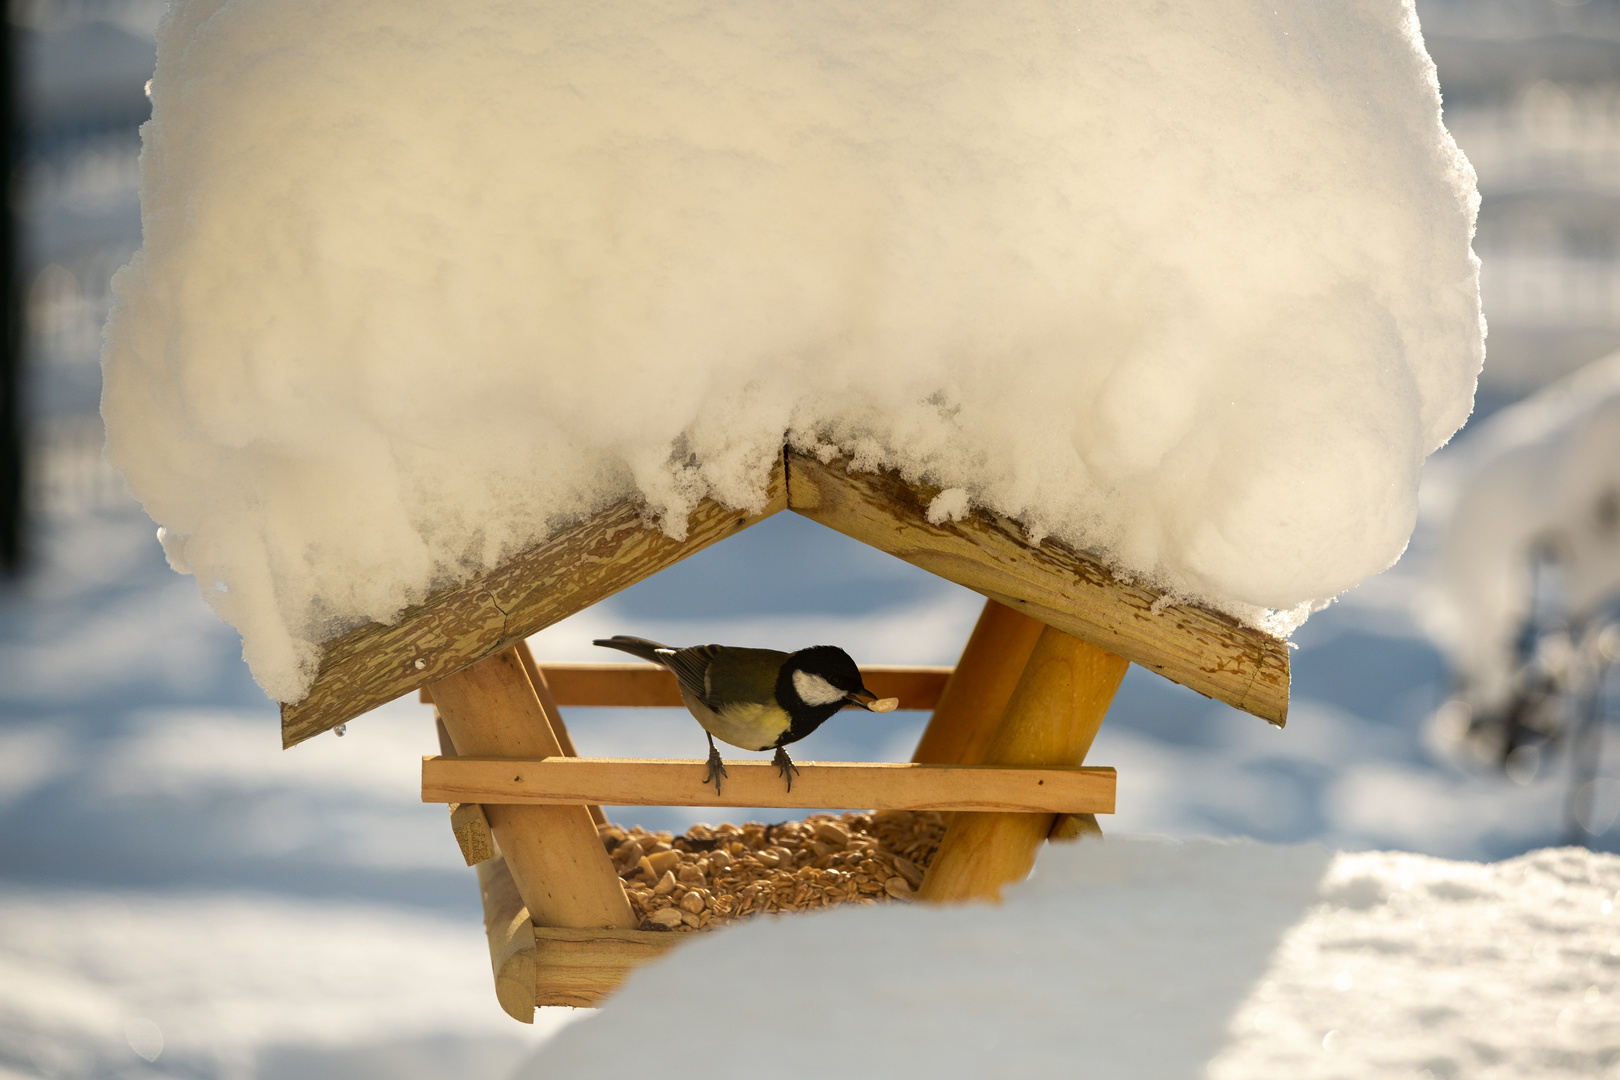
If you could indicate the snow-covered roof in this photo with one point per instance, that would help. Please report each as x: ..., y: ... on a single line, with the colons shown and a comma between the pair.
x: 1189, y: 288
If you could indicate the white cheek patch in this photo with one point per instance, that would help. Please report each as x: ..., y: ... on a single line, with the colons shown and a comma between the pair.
x: 814, y: 690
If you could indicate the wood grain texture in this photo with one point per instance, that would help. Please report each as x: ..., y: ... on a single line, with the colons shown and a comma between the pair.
x: 971, y: 704
x: 562, y: 871
x: 510, y: 934
x: 581, y: 967
x: 633, y: 685
x: 458, y: 626
x: 1054, y: 714
x: 548, y: 705
x: 1203, y: 649
x: 506, y: 781
x: 471, y: 827
x: 1075, y: 827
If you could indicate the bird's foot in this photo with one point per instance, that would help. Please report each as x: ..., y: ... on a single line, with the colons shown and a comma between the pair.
x: 717, y: 769
x: 784, y: 766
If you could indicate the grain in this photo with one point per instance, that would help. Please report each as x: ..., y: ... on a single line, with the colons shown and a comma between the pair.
x: 715, y: 875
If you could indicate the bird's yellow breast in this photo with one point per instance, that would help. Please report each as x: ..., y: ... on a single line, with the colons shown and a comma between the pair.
x: 748, y: 725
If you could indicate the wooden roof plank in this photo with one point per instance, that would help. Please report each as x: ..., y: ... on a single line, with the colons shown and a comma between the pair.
x: 1200, y: 648
x: 458, y: 626
x: 587, y: 562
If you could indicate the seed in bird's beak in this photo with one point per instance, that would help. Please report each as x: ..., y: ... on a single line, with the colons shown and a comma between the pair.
x: 872, y: 703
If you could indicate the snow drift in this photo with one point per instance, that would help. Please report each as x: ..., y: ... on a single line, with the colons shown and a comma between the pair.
x: 1187, y: 286
x: 1148, y: 959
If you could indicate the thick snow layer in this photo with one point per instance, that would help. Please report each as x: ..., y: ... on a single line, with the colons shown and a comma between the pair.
x: 1151, y: 959
x: 1187, y: 285
x: 1543, y: 474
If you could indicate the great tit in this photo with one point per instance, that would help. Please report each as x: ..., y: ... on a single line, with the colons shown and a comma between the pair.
x: 757, y: 699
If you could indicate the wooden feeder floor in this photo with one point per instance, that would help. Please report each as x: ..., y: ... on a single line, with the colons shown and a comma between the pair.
x: 712, y: 876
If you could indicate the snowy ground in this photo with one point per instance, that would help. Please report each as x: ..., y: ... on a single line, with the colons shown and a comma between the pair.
x: 1148, y: 959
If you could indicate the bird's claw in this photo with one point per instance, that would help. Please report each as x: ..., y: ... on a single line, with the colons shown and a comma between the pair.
x: 717, y: 769
x: 784, y: 766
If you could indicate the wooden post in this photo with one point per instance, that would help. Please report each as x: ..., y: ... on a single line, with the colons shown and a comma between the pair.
x: 1052, y: 719
x: 548, y: 705
x: 562, y: 871
x: 510, y: 932
x: 971, y: 705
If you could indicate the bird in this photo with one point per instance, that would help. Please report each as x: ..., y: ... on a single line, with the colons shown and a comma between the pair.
x: 757, y: 699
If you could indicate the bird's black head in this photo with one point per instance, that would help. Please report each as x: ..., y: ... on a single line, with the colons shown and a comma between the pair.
x: 817, y: 682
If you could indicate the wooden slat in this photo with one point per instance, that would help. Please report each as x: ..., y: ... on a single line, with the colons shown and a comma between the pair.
x: 1200, y: 648
x: 625, y: 685
x: 852, y: 785
x: 458, y: 626
x: 633, y: 685
x: 581, y: 967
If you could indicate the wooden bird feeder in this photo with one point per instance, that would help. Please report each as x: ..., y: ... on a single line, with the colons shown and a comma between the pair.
x: 1011, y: 723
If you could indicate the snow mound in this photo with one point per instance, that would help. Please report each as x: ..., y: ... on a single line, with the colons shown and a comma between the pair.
x: 1539, y: 477
x: 216, y: 985
x: 1148, y: 959
x: 1189, y: 286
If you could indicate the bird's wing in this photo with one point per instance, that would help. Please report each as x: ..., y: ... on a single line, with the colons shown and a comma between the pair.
x: 691, y: 668
x: 739, y: 676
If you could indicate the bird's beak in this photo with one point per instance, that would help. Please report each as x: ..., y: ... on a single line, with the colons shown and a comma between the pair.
x: 871, y: 702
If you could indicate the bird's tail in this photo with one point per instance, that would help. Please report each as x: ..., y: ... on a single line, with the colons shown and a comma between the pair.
x: 635, y: 646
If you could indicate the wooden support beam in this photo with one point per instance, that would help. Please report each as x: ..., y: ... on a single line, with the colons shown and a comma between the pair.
x: 562, y: 871
x: 1052, y: 719
x: 581, y: 967
x: 972, y: 702
x: 492, y: 611
x: 507, y: 781
x: 1198, y: 647
x: 548, y: 705
x: 1075, y: 827
x: 471, y: 827
x: 510, y: 934
x: 467, y: 820
x: 550, y: 965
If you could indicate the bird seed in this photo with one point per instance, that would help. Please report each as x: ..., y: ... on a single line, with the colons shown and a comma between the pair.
x: 713, y: 876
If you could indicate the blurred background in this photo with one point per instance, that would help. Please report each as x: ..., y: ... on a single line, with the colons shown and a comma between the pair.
x: 180, y: 898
